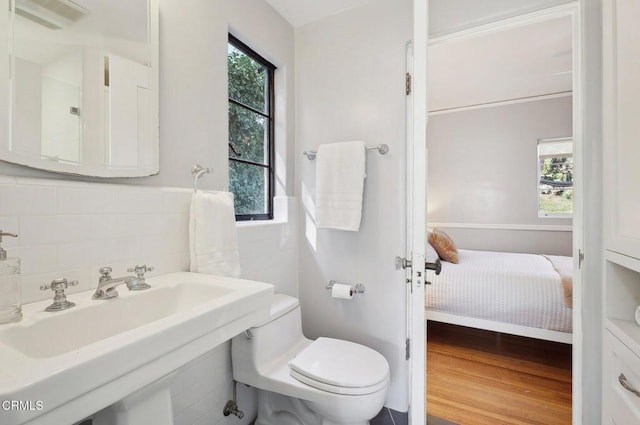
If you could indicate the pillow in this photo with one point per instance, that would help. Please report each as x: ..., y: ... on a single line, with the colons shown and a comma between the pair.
x: 430, y: 254
x: 444, y: 246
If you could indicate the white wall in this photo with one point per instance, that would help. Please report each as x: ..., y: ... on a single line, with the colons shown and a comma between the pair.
x: 350, y: 72
x: 483, y: 173
x: 193, y: 86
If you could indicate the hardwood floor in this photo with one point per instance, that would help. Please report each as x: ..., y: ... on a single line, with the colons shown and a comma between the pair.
x: 479, y: 377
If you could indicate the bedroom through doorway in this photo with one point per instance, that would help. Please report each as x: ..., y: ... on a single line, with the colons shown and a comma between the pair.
x: 504, y: 213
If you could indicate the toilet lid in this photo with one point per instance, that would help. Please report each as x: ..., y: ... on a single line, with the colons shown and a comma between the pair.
x: 341, y: 367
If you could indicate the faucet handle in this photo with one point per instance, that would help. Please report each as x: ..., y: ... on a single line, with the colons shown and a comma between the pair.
x: 58, y: 285
x: 105, y: 271
x: 60, y: 301
x: 140, y: 269
x: 139, y: 283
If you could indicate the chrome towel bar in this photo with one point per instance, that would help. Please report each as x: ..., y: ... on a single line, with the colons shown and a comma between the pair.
x: 382, y: 149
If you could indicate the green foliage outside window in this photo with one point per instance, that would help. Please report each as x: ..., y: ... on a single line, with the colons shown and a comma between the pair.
x: 557, y: 169
x: 556, y: 185
x: 248, y: 133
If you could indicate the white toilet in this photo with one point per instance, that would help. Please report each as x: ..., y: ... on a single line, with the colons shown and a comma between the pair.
x: 303, y: 382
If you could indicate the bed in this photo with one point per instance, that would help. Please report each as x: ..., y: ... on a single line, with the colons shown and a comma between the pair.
x: 521, y: 294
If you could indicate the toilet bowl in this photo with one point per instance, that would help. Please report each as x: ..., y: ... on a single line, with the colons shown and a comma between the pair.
x: 304, y: 382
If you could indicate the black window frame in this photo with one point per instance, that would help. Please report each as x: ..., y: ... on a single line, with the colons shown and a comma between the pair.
x: 269, y: 116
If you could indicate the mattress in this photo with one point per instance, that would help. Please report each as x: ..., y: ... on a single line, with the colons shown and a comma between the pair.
x: 521, y: 289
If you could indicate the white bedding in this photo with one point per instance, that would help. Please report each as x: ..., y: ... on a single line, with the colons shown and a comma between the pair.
x: 522, y: 289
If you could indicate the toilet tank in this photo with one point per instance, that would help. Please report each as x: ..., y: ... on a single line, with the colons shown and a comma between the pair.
x: 255, y: 351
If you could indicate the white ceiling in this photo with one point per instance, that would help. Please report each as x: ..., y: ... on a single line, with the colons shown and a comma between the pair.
x: 447, y: 16
x: 302, y: 12
x: 525, y: 61
x: 119, y: 26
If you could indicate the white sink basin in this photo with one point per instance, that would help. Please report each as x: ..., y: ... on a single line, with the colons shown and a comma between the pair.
x: 84, y: 359
x: 100, y: 320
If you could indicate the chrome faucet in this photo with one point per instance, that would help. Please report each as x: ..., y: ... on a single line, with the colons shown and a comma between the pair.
x: 107, y: 285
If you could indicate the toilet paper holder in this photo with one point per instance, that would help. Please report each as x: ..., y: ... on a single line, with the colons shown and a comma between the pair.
x: 358, y: 288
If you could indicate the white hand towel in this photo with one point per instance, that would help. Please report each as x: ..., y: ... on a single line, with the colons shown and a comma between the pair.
x: 212, y: 234
x: 340, y: 173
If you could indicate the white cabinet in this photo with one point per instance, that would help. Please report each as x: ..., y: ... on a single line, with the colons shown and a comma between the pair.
x: 621, y: 382
x: 621, y: 341
x: 621, y: 288
x: 622, y: 126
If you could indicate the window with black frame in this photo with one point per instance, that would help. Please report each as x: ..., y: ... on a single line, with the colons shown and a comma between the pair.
x: 251, y: 131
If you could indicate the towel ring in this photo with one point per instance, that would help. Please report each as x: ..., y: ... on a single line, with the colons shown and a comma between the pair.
x: 197, y: 171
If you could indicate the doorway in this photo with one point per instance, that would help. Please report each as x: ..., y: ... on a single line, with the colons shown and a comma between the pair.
x: 527, y: 64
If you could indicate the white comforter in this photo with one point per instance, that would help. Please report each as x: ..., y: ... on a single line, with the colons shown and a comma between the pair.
x: 522, y: 289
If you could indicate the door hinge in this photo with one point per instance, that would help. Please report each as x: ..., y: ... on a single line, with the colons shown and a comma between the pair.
x: 408, y: 84
x: 408, y: 349
x: 580, y: 258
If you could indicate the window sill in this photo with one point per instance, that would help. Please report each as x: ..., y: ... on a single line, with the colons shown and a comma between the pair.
x: 283, y: 209
x: 259, y: 223
x: 568, y: 216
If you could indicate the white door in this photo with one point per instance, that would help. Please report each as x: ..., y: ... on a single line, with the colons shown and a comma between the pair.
x: 417, y: 212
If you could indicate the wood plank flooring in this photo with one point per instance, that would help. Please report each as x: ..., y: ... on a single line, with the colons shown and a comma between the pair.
x: 477, y: 377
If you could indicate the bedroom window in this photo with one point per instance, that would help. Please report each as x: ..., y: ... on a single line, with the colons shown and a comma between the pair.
x: 251, y: 131
x: 555, y: 177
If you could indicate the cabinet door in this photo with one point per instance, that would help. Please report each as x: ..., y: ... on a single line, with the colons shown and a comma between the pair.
x: 622, y: 126
x: 620, y: 405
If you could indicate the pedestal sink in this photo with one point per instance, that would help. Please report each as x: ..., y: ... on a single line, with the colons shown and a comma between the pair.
x: 120, y: 352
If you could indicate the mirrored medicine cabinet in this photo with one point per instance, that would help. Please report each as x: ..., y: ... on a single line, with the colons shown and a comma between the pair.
x: 81, y: 86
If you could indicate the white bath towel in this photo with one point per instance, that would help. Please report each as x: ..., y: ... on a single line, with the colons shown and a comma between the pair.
x: 340, y: 173
x: 212, y: 234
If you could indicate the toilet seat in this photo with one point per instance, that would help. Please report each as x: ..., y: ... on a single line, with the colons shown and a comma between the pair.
x: 340, y: 367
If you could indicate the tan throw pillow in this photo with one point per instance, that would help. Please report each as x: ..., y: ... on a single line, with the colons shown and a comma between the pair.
x: 444, y: 246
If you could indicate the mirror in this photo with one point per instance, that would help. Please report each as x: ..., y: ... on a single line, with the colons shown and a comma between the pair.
x: 83, y: 86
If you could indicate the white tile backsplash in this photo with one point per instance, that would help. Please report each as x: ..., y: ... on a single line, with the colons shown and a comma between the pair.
x: 70, y: 229
x: 87, y: 200
x: 77, y: 227
x: 52, y: 229
x: 18, y: 200
x: 37, y: 259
